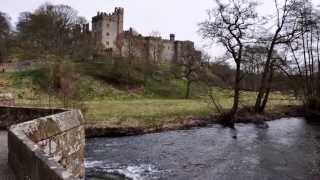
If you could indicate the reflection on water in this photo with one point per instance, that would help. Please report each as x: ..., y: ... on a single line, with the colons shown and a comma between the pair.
x: 288, y: 149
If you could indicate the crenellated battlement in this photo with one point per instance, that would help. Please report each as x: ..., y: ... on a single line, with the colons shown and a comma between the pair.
x: 118, y: 11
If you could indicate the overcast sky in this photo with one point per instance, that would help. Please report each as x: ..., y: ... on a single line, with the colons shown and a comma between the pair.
x: 166, y: 16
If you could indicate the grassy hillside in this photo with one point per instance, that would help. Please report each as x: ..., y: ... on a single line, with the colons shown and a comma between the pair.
x: 149, y: 104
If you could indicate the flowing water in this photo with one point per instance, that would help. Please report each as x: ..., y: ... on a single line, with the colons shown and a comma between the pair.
x: 288, y: 149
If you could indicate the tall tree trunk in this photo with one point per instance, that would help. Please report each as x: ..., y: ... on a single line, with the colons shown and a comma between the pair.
x: 268, y: 89
x: 312, y: 60
x: 310, y: 63
x: 236, y: 97
x: 265, y: 74
x: 318, y: 60
x: 306, y: 69
x: 264, y: 77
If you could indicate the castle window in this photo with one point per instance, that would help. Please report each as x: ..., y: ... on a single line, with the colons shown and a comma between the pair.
x: 108, y: 25
x: 108, y: 33
x: 107, y: 43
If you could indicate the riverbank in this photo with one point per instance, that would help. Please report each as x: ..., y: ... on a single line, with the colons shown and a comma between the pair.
x: 99, y: 129
x: 121, y: 110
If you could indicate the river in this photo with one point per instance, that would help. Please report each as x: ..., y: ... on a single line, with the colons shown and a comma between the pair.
x: 288, y: 149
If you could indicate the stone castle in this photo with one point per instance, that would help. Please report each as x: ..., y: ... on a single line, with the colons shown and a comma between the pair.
x: 111, y: 38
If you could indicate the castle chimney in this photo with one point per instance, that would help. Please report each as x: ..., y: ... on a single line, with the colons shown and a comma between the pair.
x: 172, y: 37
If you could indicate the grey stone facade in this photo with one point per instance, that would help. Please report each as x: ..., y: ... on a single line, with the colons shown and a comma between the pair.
x: 107, y: 27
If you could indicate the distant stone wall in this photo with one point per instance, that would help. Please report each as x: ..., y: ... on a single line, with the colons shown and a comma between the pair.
x: 47, y: 148
x: 154, y: 49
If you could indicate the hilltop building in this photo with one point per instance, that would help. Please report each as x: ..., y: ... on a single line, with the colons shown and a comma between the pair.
x: 111, y: 38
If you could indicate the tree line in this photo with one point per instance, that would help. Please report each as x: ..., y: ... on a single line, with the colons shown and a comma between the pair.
x: 51, y: 30
x: 287, y: 43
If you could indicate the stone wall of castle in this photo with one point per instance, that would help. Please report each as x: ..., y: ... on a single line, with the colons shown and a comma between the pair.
x: 110, y: 38
x: 154, y: 49
x: 169, y: 50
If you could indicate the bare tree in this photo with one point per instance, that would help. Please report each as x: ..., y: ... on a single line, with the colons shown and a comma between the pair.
x: 189, y: 64
x: 279, y: 36
x: 303, y: 57
x: 229, y: 24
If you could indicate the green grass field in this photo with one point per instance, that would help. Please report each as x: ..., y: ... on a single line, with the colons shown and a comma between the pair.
x: 155, y: 112
x: 111, y: 106
x: 144, y: 112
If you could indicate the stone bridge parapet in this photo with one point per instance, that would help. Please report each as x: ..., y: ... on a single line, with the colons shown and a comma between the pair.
x: 45, y: 143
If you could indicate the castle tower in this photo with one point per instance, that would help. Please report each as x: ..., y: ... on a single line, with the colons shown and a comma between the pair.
x: 107, y: 27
